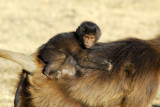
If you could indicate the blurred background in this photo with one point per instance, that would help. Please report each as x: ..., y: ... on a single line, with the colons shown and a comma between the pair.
x: 27, y: 24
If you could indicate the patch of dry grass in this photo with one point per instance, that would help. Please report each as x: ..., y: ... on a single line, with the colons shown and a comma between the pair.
x: 26, y: 24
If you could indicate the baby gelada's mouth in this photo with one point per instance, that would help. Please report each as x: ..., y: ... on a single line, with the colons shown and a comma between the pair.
x: 87, y: 46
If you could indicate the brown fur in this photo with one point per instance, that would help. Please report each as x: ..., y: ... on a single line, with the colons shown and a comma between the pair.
x: 59, y: 47
x: 133, y: 81
x: 34, y: 92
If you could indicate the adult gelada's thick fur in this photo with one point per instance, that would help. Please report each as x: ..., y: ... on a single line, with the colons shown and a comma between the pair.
x: 133, y: 81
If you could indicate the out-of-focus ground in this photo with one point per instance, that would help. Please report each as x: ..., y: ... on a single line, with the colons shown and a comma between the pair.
x: 27, y: 24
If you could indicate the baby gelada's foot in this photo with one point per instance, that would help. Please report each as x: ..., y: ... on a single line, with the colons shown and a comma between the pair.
x: 109, y: 66
x: 65, y: 73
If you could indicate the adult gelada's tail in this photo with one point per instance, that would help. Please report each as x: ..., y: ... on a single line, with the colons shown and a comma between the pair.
x: 28, y: 62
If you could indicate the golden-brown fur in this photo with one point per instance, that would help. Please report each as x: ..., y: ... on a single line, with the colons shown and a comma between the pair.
x: 133, y: 81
